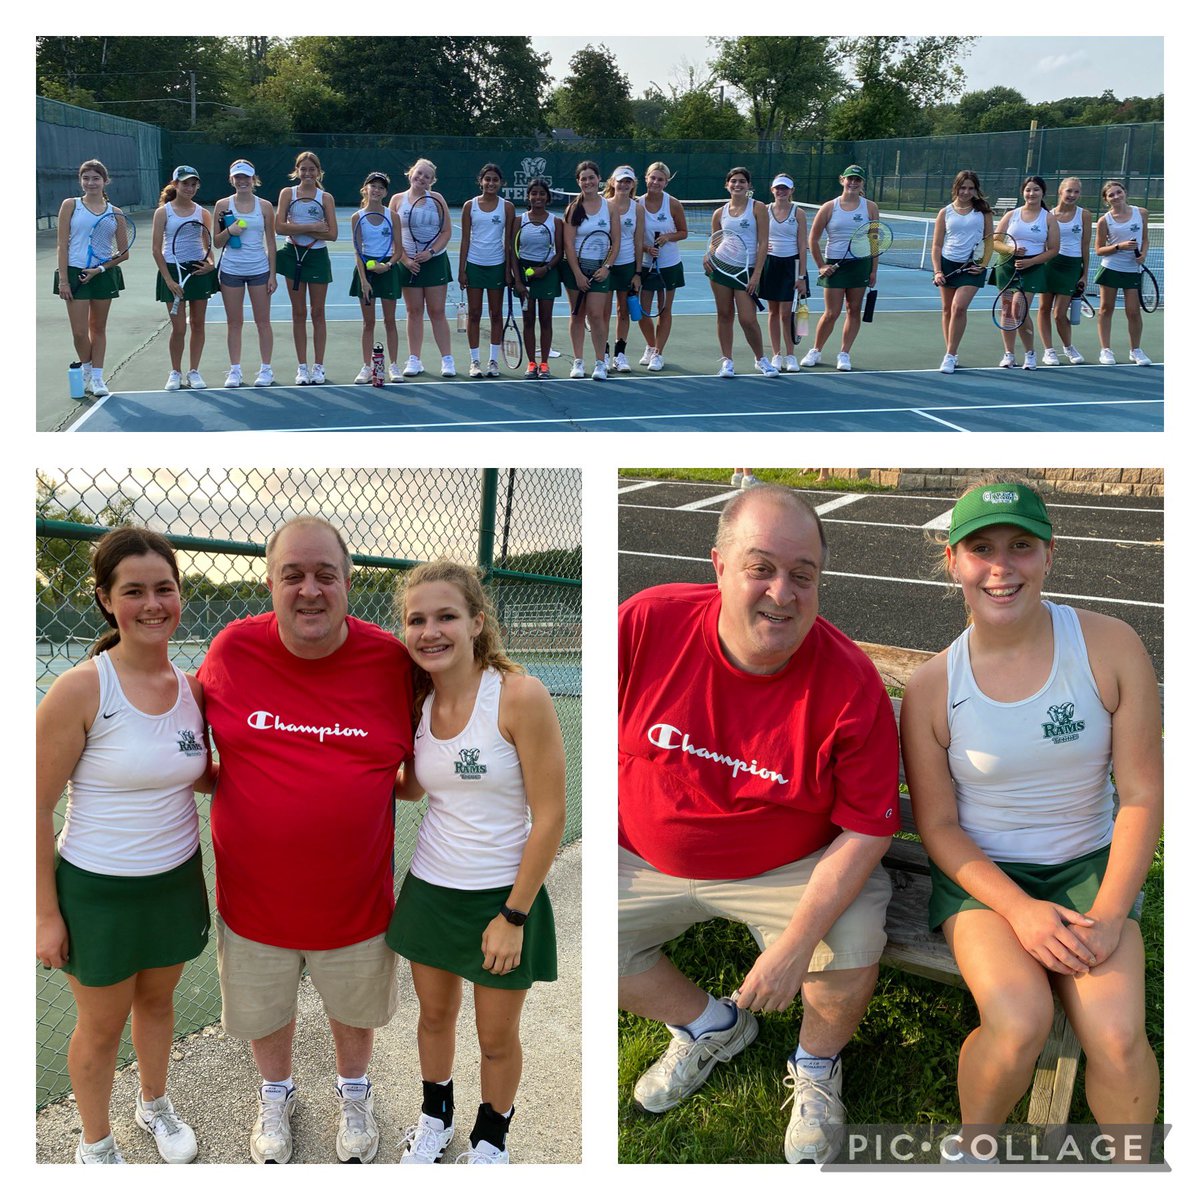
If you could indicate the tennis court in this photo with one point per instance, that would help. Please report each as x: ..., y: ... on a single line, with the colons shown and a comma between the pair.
x: 895, y: 384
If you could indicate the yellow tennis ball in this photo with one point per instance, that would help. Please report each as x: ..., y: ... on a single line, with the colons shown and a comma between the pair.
x: 528, y: 272
x: 241, y: 222
x: 370, y: 264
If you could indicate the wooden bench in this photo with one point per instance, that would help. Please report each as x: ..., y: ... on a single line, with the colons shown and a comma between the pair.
x: 912, y: 947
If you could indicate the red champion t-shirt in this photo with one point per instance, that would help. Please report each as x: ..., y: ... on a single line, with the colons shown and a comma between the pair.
x: 725, y: 774
x: 303, y: 816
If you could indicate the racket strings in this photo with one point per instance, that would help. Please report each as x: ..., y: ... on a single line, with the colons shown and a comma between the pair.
x: 190, y: 246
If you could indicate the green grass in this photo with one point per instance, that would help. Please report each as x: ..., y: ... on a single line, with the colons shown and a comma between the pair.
x: 787, y: 476
x: 900, y: 1066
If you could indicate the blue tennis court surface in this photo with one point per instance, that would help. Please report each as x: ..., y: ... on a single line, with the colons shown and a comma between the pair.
x: 1078, y: 399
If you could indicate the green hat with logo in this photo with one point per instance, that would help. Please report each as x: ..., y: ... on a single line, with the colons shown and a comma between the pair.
x: 1000, y: 504
x: 854, y: 169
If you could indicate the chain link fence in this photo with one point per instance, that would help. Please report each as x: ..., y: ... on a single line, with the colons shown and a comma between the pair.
x: 524, y: 527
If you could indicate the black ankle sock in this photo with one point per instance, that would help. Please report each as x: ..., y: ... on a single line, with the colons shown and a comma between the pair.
x: 438, y: 1101
x: 491, y: 1127
x: 620, y: 345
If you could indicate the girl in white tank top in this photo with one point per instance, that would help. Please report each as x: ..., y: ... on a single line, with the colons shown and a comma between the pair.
x: 1122, y: 243
x: 1068, y: 272
x: 962, y: 233
x: 589, y: 211
x: 664, y: 226
x: 487, y: 232
x: 1036, y: 233
x: 621, y: 189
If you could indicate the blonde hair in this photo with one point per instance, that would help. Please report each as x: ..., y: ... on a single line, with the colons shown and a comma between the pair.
x: 487, y: 649
x: 254, y: 179
x: 660, y: 167
x: 1103, y: 188
x: 423, y: 162
x: 310, y: 157
x: 610, y: 184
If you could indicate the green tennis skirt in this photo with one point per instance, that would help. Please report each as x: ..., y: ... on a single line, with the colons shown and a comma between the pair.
x: 1121, y: 280
x: 1063, y: 273
x: 597, y: 285
x: 385, y: 285
x: 672, y: 278
x: 316, y: 268
x: 1074, y: 884
x: 1033, y: 279
x: 966, y: 279
x: 118, y: 925
x: 434, y: 273
x: 199, y: 287
x: 547, y: 288
x: 485, y: 278
x: 105, y: 286
x: 853, y: 273
x: 779, y: 279
x: 443, y: 927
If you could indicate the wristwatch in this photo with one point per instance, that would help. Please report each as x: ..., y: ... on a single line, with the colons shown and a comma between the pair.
x: 514, y: 916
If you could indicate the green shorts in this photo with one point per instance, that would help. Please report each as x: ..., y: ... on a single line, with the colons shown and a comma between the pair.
x: 443, y: 927
x: 385, y: 285
x: 547, y: 288
x: 568, y: 278
x: 118, y: 925
x: 434, y: 273
x: 672, y: 277
x: 853, y: 273
x: 198, y: 287
x: 719, y: 278
x: 485, y: 278
x: 1121, y: 280
x: 1033, y: 279
x: 105, y: 286
x: 966, y: 279
x: 1063, y: 274
x: 622, y: 276
x: 316, y: 268
x: 779, y: 279
x: 1073, y: 884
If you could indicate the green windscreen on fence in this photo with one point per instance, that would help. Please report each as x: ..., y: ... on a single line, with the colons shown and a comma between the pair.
x: 523, y: 527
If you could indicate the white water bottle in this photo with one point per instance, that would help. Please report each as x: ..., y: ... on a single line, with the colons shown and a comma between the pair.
x: 802, y: 320
x: 1076, y: 309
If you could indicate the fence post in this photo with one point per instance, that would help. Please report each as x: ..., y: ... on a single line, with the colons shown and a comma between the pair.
x: 489, y: 478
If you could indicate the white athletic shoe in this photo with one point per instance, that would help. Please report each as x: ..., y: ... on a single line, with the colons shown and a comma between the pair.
x: 364, y: 376
x: 815, y: 1127
x: 271, y: 1137
x: 812, y: 358
x: 1073, y: 355
x: 600, y: 370
x: 483, y: 1154
x: 265, y: 376
x: 195, y: 380
x: 647, y: 355
x: 655, y: 363
x: 302, y: 375
x: 174, y: 382
x: 735, y: 480
x: 843, y: 361
x: 99, y: 387
x: 175, y: 1139
x: 725, y: 371
x: 358, y: 1133
x: 577, y: 371
x: 749, y: 480
x: 777, y: 361
x: 1030, y: 363
x: 1108, y: 358
x: 768, y: 368
x: 623, y: 366
x: 949, y: 363
x: 475, y: 370
x: 413, y: 366
x: 317, y: 373
x: 1139, y: 356
x: 104, y: 1152
x: 790, y: 364
x: 1008, y: 360
x: 426, y: 1141
x: 1050, y: 357
x: 394, y: 373
x: 234, y: 378
x: 448, y: 371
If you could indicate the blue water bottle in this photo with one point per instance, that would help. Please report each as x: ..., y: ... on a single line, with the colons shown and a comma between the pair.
x: 634, y: 305
x: 75, y: 380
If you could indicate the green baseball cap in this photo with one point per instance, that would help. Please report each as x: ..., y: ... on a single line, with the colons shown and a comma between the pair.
x: 1000, y: 504
x: 854, y: 169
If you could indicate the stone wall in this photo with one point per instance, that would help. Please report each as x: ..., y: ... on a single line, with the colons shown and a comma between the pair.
x: 1063, y: 481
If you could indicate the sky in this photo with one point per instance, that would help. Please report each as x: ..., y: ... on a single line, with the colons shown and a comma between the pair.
x: 1039, y: 68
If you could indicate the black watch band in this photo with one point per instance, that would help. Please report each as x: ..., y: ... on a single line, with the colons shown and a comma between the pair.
x: 514, y: 916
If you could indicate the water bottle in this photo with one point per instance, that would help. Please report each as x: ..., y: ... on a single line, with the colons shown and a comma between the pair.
x: 1076, y: 309
x: 230, y: 220
x: 75, y: 380
x: 634, y: 305
x: 377, y: 365
x: 802, y: 319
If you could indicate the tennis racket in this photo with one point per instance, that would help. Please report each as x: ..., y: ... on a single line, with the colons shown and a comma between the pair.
x: 731, y: 256
x: 655, y: 285
x: 112, y: 233
x: 1148, y: 293
x: 534, y: 247
x: 374, y: 243
x: 872, y: 240
x: 190, y: 248
x: 426, y: 219
x: 974, y: 265
x: 512, y: 338
x: 1011, y: 306
x: 303, y: 212
x: 592, y: 253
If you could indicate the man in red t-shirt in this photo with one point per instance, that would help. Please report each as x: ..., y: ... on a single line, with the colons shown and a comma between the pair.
x: 758, y: 766
x: 311, y: 713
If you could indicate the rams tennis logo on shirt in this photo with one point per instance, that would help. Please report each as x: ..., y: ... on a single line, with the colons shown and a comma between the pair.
x: 261, y: 719
x: 468, y: 765
x: 1062, y: 727
x: 667, y: 737
x: 188, y: 743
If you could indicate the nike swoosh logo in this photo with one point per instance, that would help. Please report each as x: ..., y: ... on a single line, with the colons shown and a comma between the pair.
x: 958, y: 702
x: 111, y: 714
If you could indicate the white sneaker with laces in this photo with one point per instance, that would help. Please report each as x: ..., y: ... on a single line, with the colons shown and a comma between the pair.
x: 302, y: 375
x: 99, y: 387
x: 749, y: 481
x: 358, y: 1134
x: 623, y: 366
x: 777, y: 361
x: 394, y: 373
x: 1073, y: 355
x: 725, y: 371
x: 1008, y: 360
x: 413, y: 366
x: 475, y: 370
x: 843, y: 361
x: 1030, y: 363
x: 317, y: 374
x: 577, y: 371
x: 790, y: 364
x: 949, y: 363
x: 1139, y: 356
x: 815, y: 1127
x: 1050, y: 357
x: 655, y: 363
x: 195, y: 380
x: 812, y: 358
x: 493, y: 369
x: 600, y: 370
x: 234, y: 378
x: 448, y: 371
x: 426, y: 1141
x: 1108, y: 358
x: 271, y: 1137
x: 364, y: 376
x: 175, y: 1139
x: 688, y: 1062
x: 483, y: 1154
x: 104, y: 1152
x: 647, y: 355
x: 265, y: 376
x: 768, y: 368
x: 174, y: 382
x: 735, y: 480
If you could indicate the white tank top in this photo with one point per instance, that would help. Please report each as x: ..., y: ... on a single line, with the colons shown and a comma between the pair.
x: 783, y: 234
x: 1030, y: 235
x: 964, y: 231
x: 474, y: 832
x: 316, y: 215
x: 403, y: 211
x: 843, y: 225
x: 1032, y: 777
x: 550, y: 223
x: 660, y: 222
x: 589, y: 224
x: 487, y: 235
x: 745, y: 226
x: 627, y: 223
x: 171, y: 226
x: 1123, y: 260
x: 250, y: 258
x: 1070, y: 235
x: 82, y: 220
x: 130, y: 805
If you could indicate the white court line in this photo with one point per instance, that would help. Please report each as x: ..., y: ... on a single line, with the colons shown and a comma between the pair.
x: 940, y: 583
x: 941, y: 522
x: 696, y: 505
x: 938, y: 420
x: 841, y: 502
x: 637, y: 487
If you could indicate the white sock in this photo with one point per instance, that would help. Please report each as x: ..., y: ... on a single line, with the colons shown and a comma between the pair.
x: 717, y: 1015
x: 815, y: 1066
x: 493, y: 353
x: 287, y: 1084
x: 360, y: 1080
x: 474, y: 353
